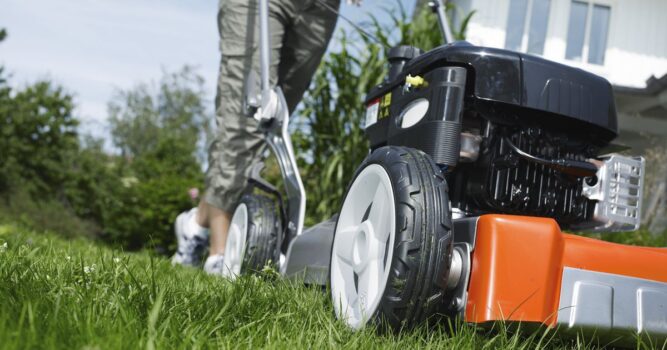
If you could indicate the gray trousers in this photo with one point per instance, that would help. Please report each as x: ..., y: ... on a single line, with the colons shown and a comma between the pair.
x: 300, y: 31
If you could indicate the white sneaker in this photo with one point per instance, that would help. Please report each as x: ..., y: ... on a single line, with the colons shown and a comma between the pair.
x: 215, y: 265
x: 192, y: 239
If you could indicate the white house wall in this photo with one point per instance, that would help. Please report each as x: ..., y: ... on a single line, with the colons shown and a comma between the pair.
x: 636, y: 43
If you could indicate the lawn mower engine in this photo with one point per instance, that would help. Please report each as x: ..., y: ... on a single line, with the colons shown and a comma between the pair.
x: 479, y: 157
x: 513, y: 134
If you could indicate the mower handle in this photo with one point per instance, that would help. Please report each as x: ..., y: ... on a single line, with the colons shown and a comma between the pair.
x: 264, y: 45
x: 270, y: 109
x: 438, y: 9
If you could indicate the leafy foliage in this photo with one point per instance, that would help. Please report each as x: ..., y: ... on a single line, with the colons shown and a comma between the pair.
x: 152, y: 191
x: 37, y: 137
x: 642, y: 237
x: 45, y: 214
x: 50, y: 179
x: 38, y: 147
x: 331, y: 141
x: 47, y: 179
x: 142, y: 117
x: 94, y: 180
x: 158, y: 131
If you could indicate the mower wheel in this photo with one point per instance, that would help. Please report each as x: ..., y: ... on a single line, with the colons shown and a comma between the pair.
x: 392, y: 240
x: 252, y: 240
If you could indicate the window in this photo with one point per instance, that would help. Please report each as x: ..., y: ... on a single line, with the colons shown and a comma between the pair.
x: 515, y: 24
x: 576, y: 30
x: 587, y: 32
x: 597, y: 42
x: 527, y: 25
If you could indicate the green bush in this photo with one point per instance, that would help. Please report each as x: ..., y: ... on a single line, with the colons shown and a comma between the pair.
x: 51, y: 180
x: 158, y: 130
x: 95, y: 177
x: 173, y: 109
x: 45, y: 215
x: 37, y: 138
x: 38, y: 146
x: 642, y: 237
x: 154, y: 190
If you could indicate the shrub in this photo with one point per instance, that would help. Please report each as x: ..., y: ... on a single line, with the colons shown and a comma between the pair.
x: 158, y: 130
x: 37, y: 138
x: 38, y: 145
x: 51, y: 180
x: 152, y: 192
x: 46, y: 214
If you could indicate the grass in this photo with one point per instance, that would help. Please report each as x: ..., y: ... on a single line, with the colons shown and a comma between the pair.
x: 72, y: 294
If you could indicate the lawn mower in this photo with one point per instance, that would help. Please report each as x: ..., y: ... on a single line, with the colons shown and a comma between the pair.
x: 479, y: 158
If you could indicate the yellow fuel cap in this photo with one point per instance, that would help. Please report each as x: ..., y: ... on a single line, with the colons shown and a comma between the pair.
x: 415, y: 81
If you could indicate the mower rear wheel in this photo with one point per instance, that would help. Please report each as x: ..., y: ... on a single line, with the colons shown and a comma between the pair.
x: 392, y: 241
x: 252, y: 239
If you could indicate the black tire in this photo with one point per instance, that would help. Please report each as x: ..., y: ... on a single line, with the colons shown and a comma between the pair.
x: 264, y: 228
x: 423, y: 242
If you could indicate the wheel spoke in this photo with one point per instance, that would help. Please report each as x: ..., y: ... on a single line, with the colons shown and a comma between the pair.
x: 379, y: 216
x: 229, y: 250
x: 235, y: 257
x: 350, y: 300
x: 357, y: 309
x: 234, y: 243
x: 369, y: 282
x: 344, y: 244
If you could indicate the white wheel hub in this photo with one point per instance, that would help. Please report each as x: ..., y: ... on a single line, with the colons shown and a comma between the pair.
x: 363, y: 246
x: 236, y: 242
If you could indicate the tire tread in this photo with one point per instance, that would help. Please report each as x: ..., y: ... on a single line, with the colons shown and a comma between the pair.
x: 263, y: 230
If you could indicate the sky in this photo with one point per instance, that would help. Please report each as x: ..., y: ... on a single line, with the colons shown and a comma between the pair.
x: 94, y: 47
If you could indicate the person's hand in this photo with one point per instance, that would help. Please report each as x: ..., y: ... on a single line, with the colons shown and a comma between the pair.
x: 354, y: 2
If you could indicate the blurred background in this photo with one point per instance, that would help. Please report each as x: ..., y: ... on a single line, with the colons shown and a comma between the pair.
x: 106, y: 107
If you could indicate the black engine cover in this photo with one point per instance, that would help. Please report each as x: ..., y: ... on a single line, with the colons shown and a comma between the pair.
x: 546, y: 109
x: 542, y: 90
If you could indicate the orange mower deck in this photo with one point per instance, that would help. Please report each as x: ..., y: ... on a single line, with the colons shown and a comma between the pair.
x: 525, y: 269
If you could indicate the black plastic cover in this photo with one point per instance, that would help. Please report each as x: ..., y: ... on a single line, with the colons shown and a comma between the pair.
x: 526, y: 81
x: 398, y: 56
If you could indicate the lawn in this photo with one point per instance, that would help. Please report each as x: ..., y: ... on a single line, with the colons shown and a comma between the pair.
x: 74, y: 294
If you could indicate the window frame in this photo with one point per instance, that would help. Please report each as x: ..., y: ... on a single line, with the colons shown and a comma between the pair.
x: 528, y: 16
x: 587, y: 30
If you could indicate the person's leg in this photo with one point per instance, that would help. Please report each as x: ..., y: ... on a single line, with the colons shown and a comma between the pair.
x: 217, y: 221
x: 239, y: 143
x: 300, y: 32
x: 305, y: 43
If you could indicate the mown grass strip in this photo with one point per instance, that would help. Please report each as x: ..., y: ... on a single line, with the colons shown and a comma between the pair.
x: 58, y: 294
